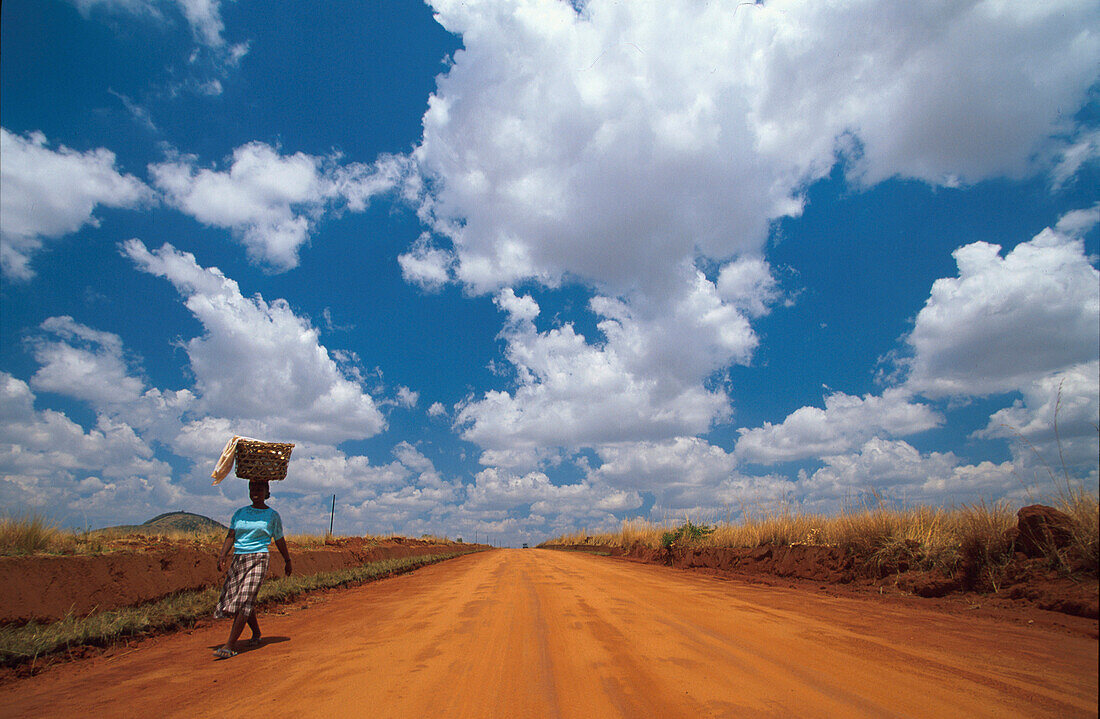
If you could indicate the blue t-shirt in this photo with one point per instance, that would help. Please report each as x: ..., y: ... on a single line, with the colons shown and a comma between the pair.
x: 254, y: 529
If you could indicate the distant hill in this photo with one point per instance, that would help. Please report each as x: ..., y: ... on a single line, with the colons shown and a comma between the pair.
x: 172, y: 522
x: 184, y: 522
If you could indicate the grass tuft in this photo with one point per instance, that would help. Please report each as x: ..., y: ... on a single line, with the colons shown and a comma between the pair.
x: 32, y: 534
x: 1082, y: 508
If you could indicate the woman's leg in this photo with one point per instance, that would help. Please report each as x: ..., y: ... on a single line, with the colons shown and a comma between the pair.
x: 239, y: 620
x: 254, y: 626
x: 242, y: 586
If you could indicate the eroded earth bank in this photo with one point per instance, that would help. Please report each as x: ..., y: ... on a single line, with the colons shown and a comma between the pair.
x: 46, y: 588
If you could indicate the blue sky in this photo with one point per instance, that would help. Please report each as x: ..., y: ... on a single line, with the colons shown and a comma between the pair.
x: 521, y: 268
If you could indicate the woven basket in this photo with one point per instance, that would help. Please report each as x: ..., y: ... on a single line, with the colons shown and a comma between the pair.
x: 262, y: 461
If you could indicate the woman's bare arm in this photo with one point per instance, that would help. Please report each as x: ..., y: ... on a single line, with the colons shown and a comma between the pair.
x: 227, y: 547
x: 280, y: 543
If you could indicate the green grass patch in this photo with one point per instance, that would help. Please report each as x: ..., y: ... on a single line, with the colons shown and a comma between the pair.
x: 28, y: 642
x: 686, y: 533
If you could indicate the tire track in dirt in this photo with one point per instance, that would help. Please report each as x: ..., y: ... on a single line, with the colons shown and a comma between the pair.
x: 542, y: 634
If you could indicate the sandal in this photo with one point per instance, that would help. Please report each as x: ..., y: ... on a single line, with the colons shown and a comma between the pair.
x: 224, y: 653
x: 254, y: 642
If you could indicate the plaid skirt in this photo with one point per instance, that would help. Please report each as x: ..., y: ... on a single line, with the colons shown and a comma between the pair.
x: 242, y: 584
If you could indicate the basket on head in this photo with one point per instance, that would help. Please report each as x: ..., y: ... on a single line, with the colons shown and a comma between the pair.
x: 262, y: 461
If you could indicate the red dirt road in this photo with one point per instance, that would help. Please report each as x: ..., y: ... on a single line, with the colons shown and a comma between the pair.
x: 537, y: 633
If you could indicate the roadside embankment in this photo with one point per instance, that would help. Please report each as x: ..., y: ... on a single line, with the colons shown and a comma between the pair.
x: 47, y: 588
x: 1038, y: 562
x: 22, y: 646
x: 1026, y: 580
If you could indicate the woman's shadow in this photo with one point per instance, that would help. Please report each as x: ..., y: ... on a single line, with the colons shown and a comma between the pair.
x: 247, y: 646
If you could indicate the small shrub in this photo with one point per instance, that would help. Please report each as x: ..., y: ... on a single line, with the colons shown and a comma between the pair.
x: 686, y: 533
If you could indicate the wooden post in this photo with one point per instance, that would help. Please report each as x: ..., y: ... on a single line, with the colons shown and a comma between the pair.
x: 332, y: 516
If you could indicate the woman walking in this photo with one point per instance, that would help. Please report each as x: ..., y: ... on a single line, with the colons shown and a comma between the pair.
x: 251, y: 529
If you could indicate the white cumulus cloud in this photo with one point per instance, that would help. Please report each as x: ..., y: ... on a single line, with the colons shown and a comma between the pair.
x: 258, y: 361
x: 406, y: 397
x: 498, y: 489
x: 846, y: 422
x: 46, y: 194
x: 896, y: 470
x: 1006, y: 321
x: 73, y: 476
x: 685, y: 474
x: 644, y: 381
x: 1057, y: 415
x: 78, y: 361
x: 270, y: 201
x: 612, y: 142
x: 426, y: 265
x: 622, y: 146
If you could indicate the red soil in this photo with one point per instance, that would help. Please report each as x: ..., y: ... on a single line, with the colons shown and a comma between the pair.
x: 532, y: 633
x: 47, y: 588
x: 1029, y: 583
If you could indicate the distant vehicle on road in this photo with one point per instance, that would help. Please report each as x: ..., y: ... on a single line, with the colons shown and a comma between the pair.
x: 525, y: 545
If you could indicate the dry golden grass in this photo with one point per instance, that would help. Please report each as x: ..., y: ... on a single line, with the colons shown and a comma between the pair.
x: 302, y: 540
x: 919, y: 537
x: 1082, y: 507
x: 33, y: 534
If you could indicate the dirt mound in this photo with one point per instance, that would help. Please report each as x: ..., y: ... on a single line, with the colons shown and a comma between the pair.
x: 48, y: 588
x: 1040, y: 529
